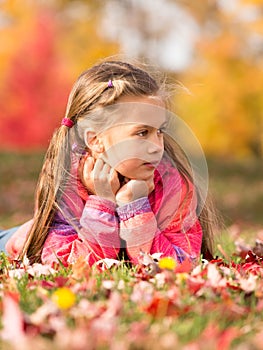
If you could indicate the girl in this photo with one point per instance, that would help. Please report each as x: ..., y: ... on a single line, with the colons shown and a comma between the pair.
x: 113, y: 183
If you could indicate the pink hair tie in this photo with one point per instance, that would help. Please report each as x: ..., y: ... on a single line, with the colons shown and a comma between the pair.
x: 67, y: 122
x: 110, y: 84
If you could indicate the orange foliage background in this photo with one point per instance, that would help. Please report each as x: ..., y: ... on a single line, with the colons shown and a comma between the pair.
x: 44, y: 47
x: 42, y: 55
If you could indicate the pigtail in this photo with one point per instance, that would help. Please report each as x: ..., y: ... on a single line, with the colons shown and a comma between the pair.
x: 209, y: 223
x: 49, y: 190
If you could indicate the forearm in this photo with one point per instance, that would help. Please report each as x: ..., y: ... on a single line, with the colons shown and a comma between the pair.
x: 179, y: 243
x: 67, y: 248
x: 100, y: 227
x: 137, y: 227
x: 95, y: 239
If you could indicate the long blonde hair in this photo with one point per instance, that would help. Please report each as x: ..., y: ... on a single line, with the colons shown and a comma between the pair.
x: 90, y: 92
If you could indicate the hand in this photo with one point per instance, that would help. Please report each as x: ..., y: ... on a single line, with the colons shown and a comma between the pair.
x: 134, y: 189
x: 99, y: 178
x: 14, y: 245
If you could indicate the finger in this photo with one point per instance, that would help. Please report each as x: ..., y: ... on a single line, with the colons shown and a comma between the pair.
x: 98, y: 166
x: 89, y: 164
x: 87, y: 168
x: 81, y: 166
x: 151, y: 186
x: 113, y: 173
x: 138, y: 188
x: 106, y: 169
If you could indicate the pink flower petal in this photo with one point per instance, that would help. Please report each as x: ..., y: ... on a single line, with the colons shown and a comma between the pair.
x: 13, y: 322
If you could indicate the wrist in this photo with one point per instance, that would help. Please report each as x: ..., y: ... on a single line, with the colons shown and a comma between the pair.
x: 109, y: 198
x: 124, y: 201
x: 136, y: 207
x: 102, y: 203
x: 132, y: 191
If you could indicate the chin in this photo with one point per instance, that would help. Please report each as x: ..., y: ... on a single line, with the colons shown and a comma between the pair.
x: 143, y: 177
x: 137, y: 175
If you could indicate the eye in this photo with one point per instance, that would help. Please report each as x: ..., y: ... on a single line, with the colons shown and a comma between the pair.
x: 142, y: 133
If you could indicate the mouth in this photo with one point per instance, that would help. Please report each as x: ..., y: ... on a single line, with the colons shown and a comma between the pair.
x: 151, y: 164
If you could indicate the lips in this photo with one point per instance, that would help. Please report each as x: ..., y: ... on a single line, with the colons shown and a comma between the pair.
x: 152, y: 164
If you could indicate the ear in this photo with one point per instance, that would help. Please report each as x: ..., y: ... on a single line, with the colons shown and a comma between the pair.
x: 92, y: 141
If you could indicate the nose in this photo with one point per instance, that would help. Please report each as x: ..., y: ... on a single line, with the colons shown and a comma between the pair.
x: 155, y: 144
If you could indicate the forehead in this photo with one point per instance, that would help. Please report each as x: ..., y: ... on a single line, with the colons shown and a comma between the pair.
x: 148, y: 111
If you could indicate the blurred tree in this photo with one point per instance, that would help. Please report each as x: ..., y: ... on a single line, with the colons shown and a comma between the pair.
x: 160, y: 32
x: 35, y: 90
x: 213, y: 46
x: 225, y: 107
x: 84, y: 41
x: 15, y: 23
x: 51, y: 47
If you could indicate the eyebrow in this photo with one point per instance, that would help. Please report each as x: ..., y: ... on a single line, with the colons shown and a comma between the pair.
x: 139, y: 126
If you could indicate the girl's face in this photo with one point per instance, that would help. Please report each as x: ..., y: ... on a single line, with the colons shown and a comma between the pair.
x: 135, y: 145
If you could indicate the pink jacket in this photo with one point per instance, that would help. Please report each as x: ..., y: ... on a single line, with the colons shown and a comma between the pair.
x: 165, y: 222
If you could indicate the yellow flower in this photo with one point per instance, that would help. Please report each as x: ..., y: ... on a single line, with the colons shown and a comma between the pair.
x: 167, y: 263
x: 181, y: 277
x: 64, y: 298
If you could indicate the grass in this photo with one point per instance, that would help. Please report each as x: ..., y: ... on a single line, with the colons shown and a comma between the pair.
x: 128, y: 308
x: 238, y: 190
x: 18, y: 174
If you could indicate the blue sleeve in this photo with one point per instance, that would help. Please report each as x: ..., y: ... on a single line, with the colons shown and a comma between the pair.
x: 5, y: 235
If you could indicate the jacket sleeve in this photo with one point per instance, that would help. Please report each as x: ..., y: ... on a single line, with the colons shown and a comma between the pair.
x: 174, y: 230
x: 137, y: 227
x: 96, y: 238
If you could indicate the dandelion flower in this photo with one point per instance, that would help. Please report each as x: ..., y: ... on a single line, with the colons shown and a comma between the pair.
x: 64, y: 298
x: 181, y: 277
x: 167, y: 263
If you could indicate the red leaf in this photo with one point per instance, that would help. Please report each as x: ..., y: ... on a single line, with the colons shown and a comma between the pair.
x: 47, y: 284
x: 60, y: 281
x: 161, y: 306
x: 186, y: 266
x: 195, y: 284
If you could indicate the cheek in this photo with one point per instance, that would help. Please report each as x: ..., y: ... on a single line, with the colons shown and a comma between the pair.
x: 123, y: 152
x: 128, y: 168
x: 132, y: 169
